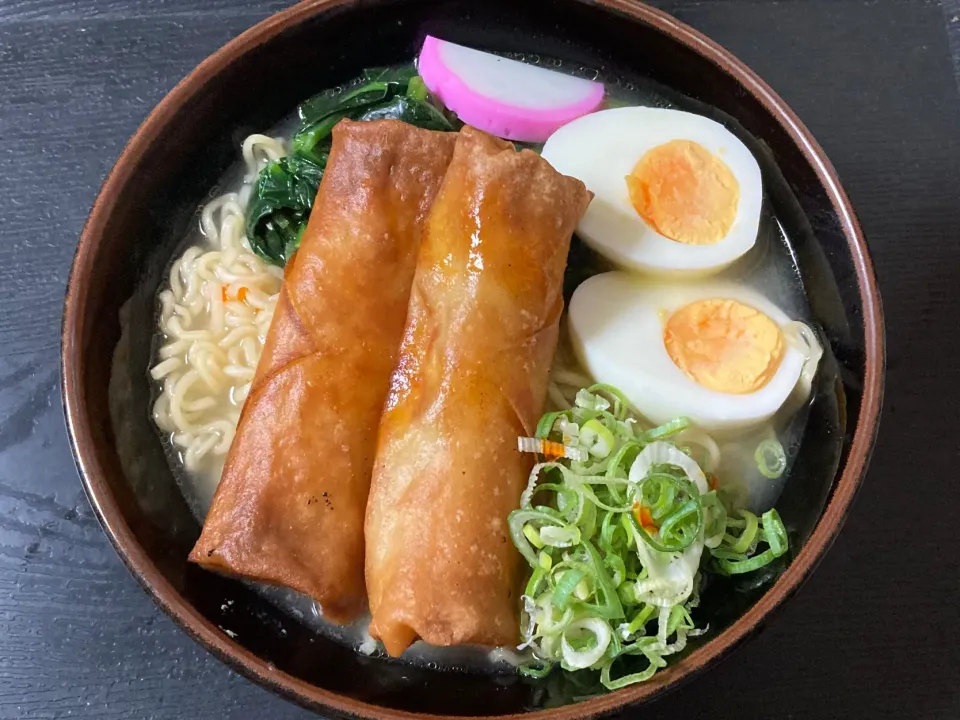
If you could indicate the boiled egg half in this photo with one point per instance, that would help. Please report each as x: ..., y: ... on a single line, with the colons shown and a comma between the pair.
x: 674, y: 193
x: 718, y: 353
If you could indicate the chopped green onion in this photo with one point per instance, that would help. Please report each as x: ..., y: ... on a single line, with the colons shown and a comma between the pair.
x: 532, y: 535
x: 536, y: 579
x: 545, y: 426
x: 583, y: 591
x: 565, y: 586
x: 666, y: 430
x: 536, y: 671
x: 620, y: 403
x: 771, y: 460
x: 656, y: 662
x: 602, y: 439
x: 560, y: 536
x: 589, y: 401
x: 678, y: 617
x: 617, y: 567
x: 775, y: 535
x: 679, y: 505
x: 679, y: 526
x: 774, y: 532
x: 518, y: 519
x: 578, y: 633
x: 641, y: 619
x: 615, y: 537
x: 626, y: 522
x: 587, y: 520
x: 549, y: 625
x: 738, y: 567
x: 749, y: 532
x: 714, y: 519
x: 665, y: 494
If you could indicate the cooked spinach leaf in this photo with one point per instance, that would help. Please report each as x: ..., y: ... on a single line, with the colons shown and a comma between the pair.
x: 280, y: 205
x: 373, y: 86
x: 285, y: 189
x: 537, y: 147
x: 416, y: 112
x: 392, y: 93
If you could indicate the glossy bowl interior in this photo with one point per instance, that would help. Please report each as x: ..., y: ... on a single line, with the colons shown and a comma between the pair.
x: 193, y: 136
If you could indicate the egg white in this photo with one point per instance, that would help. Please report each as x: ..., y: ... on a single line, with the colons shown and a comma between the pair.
x: 602, y: 149
x: 616, y: 324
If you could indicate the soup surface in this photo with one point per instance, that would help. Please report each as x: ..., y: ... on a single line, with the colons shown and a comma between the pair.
x: 216, y: 307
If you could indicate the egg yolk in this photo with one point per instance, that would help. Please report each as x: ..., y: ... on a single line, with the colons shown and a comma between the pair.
x: 724, y: 345
x: 685, y: 193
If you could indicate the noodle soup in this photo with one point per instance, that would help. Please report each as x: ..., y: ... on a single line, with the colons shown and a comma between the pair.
x: 216, y: 311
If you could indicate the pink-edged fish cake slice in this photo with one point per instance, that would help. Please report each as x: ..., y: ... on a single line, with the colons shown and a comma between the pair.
x: 504, y: 97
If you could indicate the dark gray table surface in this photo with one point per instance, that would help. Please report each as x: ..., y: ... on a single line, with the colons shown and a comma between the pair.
x: 874, y: 634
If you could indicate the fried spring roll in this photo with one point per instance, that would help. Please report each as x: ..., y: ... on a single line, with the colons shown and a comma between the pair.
x: 289, y: 509
x: 472, y: 376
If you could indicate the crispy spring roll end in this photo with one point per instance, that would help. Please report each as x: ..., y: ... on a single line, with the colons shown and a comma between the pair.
x: 396, y: 637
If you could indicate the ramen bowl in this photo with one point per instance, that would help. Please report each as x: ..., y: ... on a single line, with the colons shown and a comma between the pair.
x: 166, y: 171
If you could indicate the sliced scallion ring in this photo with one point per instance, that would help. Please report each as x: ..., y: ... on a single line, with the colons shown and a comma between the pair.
x: 565, y: 587
x: 676, y: 509
x: 774, y: 533
x: 771, y: 459
x: 575, y: 634
x: 560, y: 537
x: 666, y: 430
x: 538, y: 670
x: 545, y: 426
x: 620, y: 403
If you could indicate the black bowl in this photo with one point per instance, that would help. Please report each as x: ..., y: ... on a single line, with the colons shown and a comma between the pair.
x: 186, y: 144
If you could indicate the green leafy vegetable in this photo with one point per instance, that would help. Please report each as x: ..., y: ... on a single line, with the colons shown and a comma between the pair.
x: 536, y: 147
x: 281, y: 202
x: 417, y: 89
x: 617, y: 543
x: 373, y: 86
x: 385, y: 94
x: 285, y: 189
x: 416, y: 112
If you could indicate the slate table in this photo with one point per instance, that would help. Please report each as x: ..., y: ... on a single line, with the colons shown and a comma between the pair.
x: 874, y: 634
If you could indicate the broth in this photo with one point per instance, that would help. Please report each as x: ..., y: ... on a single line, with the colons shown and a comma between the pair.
x: 770, y: 268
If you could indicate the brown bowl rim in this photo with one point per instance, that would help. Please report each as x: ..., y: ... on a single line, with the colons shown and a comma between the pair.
x: 133, y: 555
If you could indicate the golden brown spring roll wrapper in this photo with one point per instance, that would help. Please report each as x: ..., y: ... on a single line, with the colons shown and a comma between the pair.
x: 290, y: 505
x: 472, y: 376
